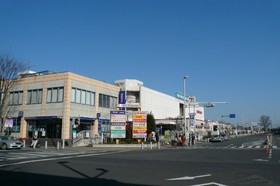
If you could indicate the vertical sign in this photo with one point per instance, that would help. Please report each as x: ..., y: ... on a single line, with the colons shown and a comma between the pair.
x: 118, y: 120
x: 139, y: 124
x: 192, y: 120
x: 122, y: 99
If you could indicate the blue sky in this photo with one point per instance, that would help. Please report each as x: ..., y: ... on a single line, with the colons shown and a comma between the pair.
x: 229, y: 48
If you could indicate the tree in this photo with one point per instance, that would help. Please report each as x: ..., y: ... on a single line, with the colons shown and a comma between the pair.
x: 10, y: 69
x: 151, y: 123
x: 264, y: 122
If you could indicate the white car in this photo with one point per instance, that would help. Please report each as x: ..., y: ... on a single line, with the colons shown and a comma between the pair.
x: 216, y: 138
x: 10, y: 143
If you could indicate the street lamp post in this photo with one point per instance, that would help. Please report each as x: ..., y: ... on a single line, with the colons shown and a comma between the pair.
x: 184, y: 109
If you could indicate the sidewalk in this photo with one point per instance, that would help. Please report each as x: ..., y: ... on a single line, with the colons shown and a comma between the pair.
x: 110, y: 147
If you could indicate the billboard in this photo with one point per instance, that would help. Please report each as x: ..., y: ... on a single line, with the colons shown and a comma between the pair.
x: 118, y: 127
x: 139, y: 124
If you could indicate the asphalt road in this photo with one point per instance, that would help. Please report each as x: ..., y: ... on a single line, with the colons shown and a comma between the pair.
x: 206, y: 164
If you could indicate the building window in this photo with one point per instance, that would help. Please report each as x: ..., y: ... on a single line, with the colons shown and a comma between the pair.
x: 15, y: 98
x: 82, y: 96
x: 55, y: 95
x: 107, y: 101
x: 34, y: 96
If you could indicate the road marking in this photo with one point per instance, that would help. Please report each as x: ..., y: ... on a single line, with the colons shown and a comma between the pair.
x: 188, y: 177
x: 257, y: 147
x: 60, y: 158
x: 250, y: 147
x: 275, y: 147
x: 241, y: 147
x: 211, y: 183
x: 260, y: 160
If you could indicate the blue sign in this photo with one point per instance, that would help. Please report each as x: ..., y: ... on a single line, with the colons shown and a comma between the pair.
x: 232, y: 116
x: 122, y: 97
x: 20, y: 113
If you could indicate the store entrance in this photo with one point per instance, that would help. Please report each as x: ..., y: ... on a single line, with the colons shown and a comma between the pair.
x: 45, y: 128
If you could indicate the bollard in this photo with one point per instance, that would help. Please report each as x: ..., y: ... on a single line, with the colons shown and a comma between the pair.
x: 63, y: 143
x: 46, y: 145
x: 142, y: 146
x: 158, y: 145
x: 57, y: 147
x: 24, y: 143
x: 151, y: 145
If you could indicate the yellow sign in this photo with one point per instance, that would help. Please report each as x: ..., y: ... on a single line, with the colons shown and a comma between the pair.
x: 139, y: 128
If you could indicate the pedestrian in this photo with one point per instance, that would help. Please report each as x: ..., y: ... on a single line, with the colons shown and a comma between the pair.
x: 34, y: 141
x: 157, y: 137
x: 153, y: 136
x: 193, y: 138
x: 183, y: 139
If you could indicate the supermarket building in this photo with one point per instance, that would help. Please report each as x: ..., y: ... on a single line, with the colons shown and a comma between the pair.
x: 59, y: 105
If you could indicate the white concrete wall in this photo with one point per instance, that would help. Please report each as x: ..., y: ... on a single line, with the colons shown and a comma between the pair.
x: 161, y: 105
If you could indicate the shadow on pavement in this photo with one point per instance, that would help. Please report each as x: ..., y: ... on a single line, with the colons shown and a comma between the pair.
x: 12, y: 178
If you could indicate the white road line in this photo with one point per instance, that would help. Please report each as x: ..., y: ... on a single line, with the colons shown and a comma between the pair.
x: 211, y: 183
x: 257, y: 147
x: 275, y: 147
x: 241, y: 147
x: 59, y: 158
x: 260, y: 160
x: 188, y: 177
x: 249, y: 147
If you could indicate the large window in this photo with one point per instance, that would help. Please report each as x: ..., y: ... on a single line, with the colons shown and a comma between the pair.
x: 55, y: 95
x: 34, y: 96
x: 82, y: 96
x: 15, y: 98
x: 107, y: 101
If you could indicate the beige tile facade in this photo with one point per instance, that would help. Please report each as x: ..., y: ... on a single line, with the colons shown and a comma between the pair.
x: 65, y: 110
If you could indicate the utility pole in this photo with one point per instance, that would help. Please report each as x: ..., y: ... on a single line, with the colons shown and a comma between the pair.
x: 184, y: 110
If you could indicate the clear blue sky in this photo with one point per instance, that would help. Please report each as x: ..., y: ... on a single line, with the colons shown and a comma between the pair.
x: 229, y: 48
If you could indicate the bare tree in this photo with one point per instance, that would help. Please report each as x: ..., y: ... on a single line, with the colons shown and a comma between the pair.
x: 9, y: 75
x: 265, y: 122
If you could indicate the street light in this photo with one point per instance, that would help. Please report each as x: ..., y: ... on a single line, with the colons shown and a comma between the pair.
x: 184, y: 109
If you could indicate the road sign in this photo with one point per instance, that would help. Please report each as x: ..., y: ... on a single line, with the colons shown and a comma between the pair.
x: 232, y: 116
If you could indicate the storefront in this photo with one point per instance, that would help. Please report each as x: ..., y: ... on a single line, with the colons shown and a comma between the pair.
x: 44, y: 127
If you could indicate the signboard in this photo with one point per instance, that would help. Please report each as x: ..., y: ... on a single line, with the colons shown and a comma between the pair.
x: 9, y: 123
x: 122, y: 97
x: 118, y: 128
x: 232, y: 116
x: 139, y: 124
x: 192, y: 120
x: 180, y: 96
x: 189, y: 99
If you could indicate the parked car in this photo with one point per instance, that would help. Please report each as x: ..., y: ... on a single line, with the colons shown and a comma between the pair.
x: 10, y: 143
x: 216, y: 138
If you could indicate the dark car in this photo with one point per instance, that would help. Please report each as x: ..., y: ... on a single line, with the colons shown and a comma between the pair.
x: 10, y: 143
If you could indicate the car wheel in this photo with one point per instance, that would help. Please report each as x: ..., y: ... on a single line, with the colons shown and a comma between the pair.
x: 4, y: 146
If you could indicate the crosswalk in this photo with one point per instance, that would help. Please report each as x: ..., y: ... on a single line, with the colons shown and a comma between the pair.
x: 6, y: 156
x: 235, y: 147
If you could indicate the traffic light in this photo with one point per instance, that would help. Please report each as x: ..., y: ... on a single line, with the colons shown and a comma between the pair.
x: 77, y: 121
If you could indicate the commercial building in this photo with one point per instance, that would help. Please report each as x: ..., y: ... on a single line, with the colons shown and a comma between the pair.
x: 59, y: 105
x: 69, y: 106
x: 167, y: 110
